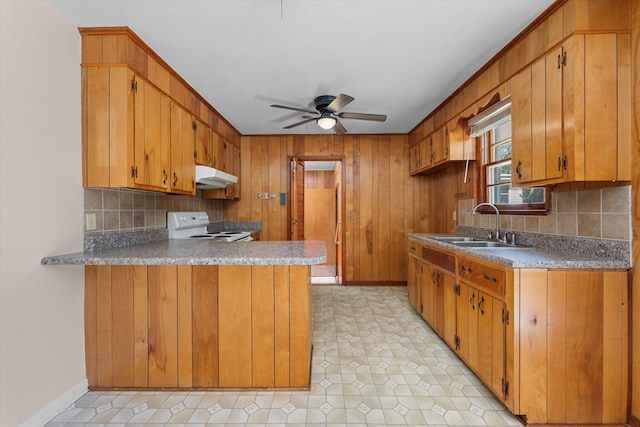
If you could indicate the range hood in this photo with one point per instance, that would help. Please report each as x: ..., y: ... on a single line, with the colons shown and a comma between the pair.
x: 207, y: 177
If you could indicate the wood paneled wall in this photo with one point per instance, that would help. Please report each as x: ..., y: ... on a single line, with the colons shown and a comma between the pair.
x: 381, y: 201
x: 635, y: 211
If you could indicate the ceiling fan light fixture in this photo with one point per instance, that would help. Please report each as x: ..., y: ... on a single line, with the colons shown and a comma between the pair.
x: 326, y: 122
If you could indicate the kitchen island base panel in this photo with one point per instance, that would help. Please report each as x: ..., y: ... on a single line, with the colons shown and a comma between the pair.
x: 198, y: 327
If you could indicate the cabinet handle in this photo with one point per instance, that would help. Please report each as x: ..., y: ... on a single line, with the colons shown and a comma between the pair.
x: 518, y: 170
x: 164, y: 172
x: 559, y: 61
x: 433, y: 277
x: 465, y: 268
x: 490, y: 278
x: 175, y: 179
x: 481, y: 305
x: 559, y: 163
x: 471, y: 301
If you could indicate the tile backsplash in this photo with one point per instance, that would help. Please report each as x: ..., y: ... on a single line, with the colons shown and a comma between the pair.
x: 599, y: 213
x: 125, y: 210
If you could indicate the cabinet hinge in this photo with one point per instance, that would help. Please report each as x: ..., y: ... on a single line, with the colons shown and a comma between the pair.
x: 194, y: 125
x: 134, y: 171
x: 456, y: 342
x: 505, y: 388
x: 134, y: 86
x: 456, y: 289
x: 564, y: 58
x: 195, y: 154
x: 564, y: 163
x: 505, y: 316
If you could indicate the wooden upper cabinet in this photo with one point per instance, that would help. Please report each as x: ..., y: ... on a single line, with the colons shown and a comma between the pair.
x: 203, y: 153
x: 183, y: 164
x: 126, y: 133
x: 216, y: 142
x: 143, y: 126
x: 570, y: 113
x: 449, y: 143
x: 152, y: 130
x: 230, y: 156
x: 537, y: 120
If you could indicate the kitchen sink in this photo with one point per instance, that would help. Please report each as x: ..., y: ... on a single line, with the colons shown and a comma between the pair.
x: 486, y: 244
x: 456, y: 239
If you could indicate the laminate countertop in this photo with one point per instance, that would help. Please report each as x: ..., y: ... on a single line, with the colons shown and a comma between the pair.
x: 201, y: 252
x: 529, y: 257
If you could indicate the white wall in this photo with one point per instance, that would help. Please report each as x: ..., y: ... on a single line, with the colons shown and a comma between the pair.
x: 41, y: 311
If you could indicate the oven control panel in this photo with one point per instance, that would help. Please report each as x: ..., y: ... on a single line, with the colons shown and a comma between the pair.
x: 181, y: 220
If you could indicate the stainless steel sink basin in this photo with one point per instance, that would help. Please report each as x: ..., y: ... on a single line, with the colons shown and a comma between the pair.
x: 456, y: 239
x: 487, y: 244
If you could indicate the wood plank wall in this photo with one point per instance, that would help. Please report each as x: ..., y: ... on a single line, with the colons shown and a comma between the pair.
x: 382, y: 202
x: 635, y: 216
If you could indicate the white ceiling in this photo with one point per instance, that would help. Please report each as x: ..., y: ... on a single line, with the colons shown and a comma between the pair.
x: 401, y: 58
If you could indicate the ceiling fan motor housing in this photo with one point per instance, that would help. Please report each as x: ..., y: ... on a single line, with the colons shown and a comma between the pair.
x: 322, y: 102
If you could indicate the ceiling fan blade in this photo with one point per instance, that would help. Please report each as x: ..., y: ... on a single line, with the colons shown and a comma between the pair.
x: 300, y: 123
x: 339, y: 103
x: 364, y: 116
x: 294, y: 108
x: 338, y: 128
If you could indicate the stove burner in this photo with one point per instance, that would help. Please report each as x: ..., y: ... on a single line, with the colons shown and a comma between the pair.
x: 200, y: 236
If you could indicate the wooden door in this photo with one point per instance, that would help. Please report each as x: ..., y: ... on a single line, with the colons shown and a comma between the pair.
x: 414, y: 159
x: 320, y: 220
x: 425, y: 152
x: 297, y: 199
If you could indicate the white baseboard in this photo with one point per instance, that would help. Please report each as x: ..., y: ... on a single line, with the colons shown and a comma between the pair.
x: 47, y: 413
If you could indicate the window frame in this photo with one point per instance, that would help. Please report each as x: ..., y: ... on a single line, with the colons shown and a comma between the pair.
x: 511, y: 209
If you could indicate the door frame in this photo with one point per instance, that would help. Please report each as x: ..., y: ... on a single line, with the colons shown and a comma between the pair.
x: 340, y: 159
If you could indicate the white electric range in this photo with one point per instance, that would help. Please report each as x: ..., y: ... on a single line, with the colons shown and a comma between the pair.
x: 193, y: 225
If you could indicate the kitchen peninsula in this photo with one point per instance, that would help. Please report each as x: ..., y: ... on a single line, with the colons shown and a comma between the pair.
x: 184, y: 314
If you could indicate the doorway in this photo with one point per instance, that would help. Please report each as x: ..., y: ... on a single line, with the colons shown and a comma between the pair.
x: 316, y: 211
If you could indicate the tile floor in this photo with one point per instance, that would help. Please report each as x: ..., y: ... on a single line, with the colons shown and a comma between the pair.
x: 375, y: 363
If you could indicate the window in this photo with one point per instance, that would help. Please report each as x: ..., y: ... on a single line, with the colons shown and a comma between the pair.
x: 492, y: 128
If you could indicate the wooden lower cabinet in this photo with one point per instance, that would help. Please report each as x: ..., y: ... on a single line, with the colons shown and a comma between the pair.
x: 197, y: 327
x: 553, y: 345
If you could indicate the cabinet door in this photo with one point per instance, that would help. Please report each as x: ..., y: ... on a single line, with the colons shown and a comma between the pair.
x: 439, y: 147
x: 414, y: 159
x: 521, y: 127
x: 182, y: 147
x: 152, y: 136
x: 203, y: 153
x: 237, y: 167
x: 425, y: 153
x: 216, y: 142
x: 449, y: 310
x: 413, y: 286
x: 462, y: 320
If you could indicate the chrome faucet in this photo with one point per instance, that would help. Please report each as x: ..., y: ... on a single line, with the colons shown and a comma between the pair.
x: 473, y: 212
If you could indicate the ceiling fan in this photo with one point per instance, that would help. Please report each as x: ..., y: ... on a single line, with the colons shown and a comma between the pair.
x: 327, y: 107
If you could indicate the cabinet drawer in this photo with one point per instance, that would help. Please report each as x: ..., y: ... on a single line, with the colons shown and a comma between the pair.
x: 414, y: 248
x: 441, y: 259
x: 484, y: 276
